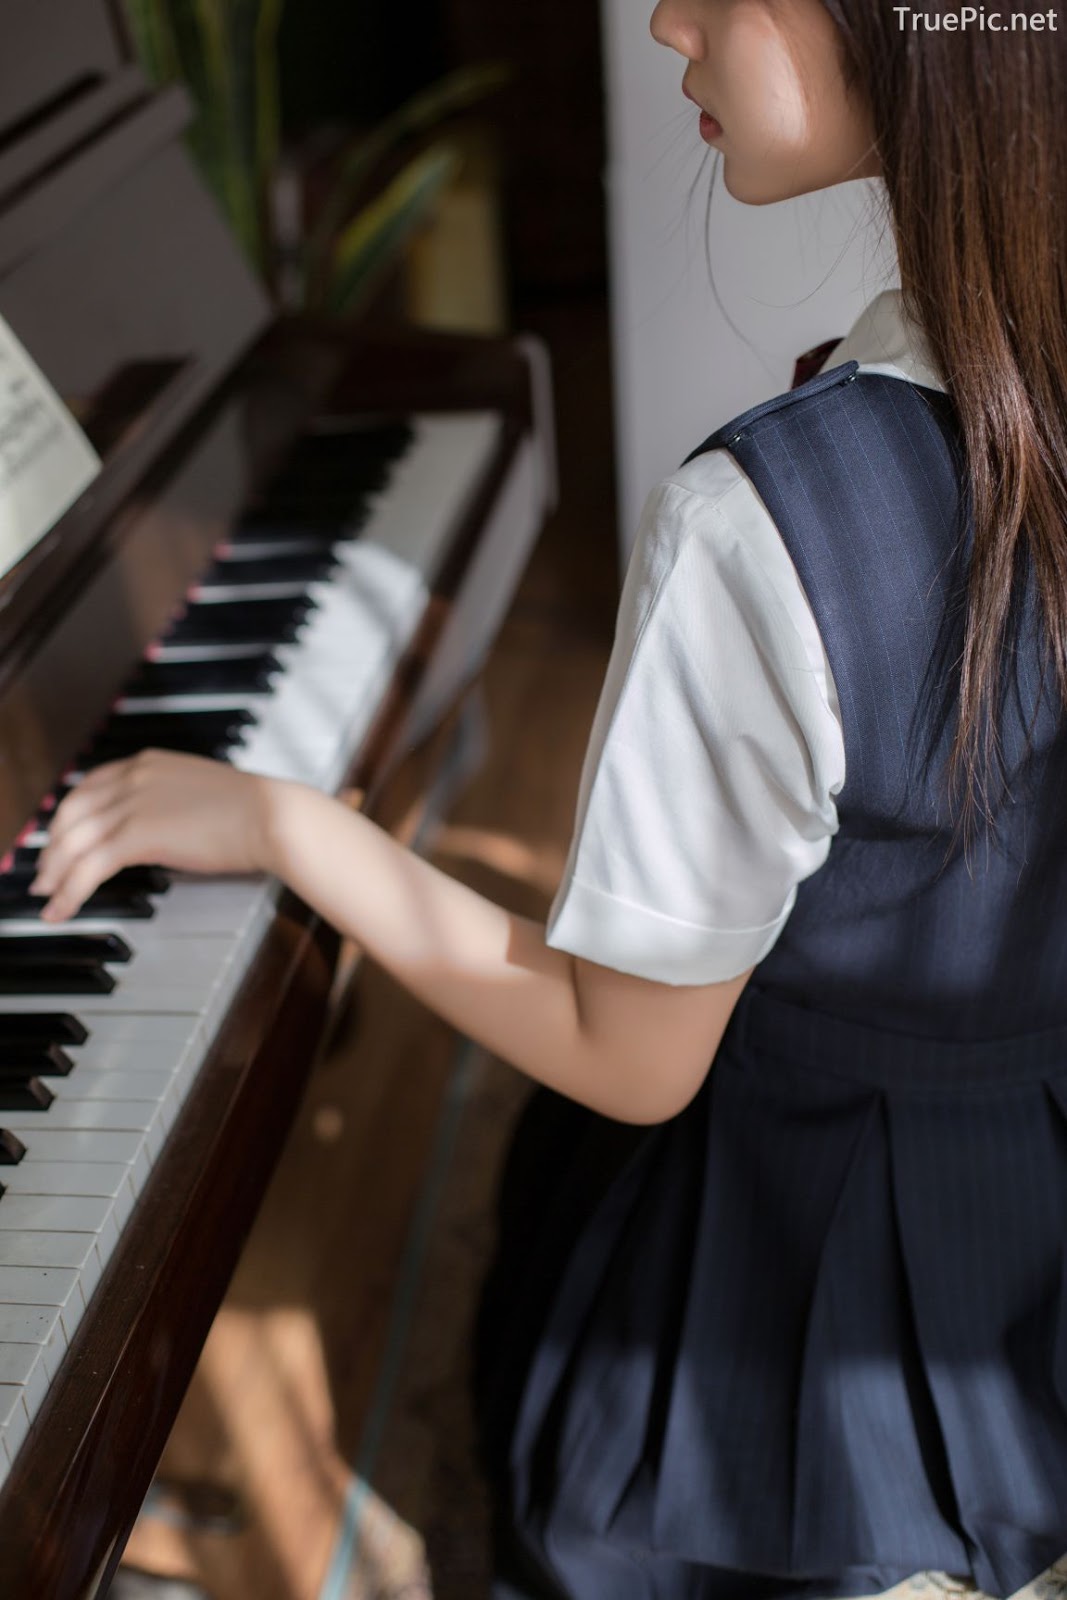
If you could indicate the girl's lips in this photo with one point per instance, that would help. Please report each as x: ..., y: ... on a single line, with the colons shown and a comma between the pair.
x: 710, y: 127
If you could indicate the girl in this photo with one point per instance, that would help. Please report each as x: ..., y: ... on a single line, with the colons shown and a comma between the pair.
x: 782, y: 1308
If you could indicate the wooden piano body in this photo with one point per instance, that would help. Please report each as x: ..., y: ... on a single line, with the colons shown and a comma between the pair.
x: 119, y: 277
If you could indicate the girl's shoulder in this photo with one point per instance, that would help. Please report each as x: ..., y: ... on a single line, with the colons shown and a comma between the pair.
x: 711, y: 479
x: 800, y: 396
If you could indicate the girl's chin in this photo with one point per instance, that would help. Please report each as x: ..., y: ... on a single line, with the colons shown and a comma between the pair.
x: 757, y: 190
x: 749, y: 191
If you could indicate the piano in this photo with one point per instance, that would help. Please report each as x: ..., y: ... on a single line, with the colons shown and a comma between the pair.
x: 296, y: 555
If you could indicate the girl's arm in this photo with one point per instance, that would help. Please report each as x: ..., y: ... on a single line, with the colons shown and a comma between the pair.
x: 625, y: 1046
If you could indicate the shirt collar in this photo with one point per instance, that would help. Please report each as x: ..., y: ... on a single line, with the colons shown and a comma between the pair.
x: 883, y: 339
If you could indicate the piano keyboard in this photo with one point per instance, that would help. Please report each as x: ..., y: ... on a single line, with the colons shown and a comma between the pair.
x: 278, y: 664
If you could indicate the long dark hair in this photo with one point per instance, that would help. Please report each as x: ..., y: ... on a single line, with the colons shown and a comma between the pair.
x: 969, y: 128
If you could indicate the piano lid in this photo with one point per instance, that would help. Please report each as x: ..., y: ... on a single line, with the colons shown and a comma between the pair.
x: 52, y: 49
x: 118, y: 273
x: 122, y: 281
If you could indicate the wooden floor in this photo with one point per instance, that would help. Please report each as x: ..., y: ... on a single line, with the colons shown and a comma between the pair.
x: 324, y: 1449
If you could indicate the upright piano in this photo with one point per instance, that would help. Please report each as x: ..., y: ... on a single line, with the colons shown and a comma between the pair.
x: 295, y: 556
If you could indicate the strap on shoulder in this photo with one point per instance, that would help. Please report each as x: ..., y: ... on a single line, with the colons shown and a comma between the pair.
x: 732, y: 430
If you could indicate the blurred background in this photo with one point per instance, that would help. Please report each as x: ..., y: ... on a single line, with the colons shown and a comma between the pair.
x: 462, y: 165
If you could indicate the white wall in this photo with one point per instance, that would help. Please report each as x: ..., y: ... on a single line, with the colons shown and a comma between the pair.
x: 789, y: 275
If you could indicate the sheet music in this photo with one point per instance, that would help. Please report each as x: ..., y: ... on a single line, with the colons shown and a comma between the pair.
x: 45, y: 459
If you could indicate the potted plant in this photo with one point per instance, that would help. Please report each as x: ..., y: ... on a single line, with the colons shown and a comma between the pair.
x: 317, y: 251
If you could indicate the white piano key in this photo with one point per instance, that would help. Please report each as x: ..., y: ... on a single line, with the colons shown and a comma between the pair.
x: 207, y: 594
x: 106, y: 1145
x: 14, y: 1420
x: 72, y: 1250
x: 69, y: 1200
x: 87, y: 1144
x: 36, y: 1286
x: 151, y: 1120
x: 134, y: 705
x: 99, y: 1178
x: 313, y: 711
x: 35, y: 1325
x: 36, y: 1250
x: 202, y: 652
x: 34, y: 928
x: 33, y: 840
x: 45, y: 1286
x: 195, y: 906
x: 431, y: 487
x: 147, y: 1105
x: 130, y: 1041
x: 33, y: 1213
x: 296, y: 544
x: 273, y: 755
x: 138, y: 1079
x: 21, y: 1366
x: 313, y: 721
x: 114, y: 1089
x: 363, y: 619
x: 144, y: 1092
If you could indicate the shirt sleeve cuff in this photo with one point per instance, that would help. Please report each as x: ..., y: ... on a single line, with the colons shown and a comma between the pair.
x: 599, y: 927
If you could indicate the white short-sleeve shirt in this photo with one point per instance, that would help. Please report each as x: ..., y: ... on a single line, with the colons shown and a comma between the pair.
x: 708, y: 788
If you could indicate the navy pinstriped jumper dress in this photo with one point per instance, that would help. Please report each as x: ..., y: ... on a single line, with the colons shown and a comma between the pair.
x: 810, y: 1336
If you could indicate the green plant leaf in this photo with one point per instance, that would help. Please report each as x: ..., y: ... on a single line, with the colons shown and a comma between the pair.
x: 154, y: 39
x: 372, y: 239
x: 268, y: 93
x: 225, y: 51
x: 455, y: 92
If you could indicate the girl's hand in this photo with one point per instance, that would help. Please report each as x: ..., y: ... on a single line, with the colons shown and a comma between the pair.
x: 155, y: 808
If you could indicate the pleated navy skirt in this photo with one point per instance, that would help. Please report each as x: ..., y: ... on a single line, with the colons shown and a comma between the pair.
x: 807, y: 1338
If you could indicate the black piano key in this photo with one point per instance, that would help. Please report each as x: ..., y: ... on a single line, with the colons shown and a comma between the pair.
x: 138, y: 880
x: 18, y: 1061
x: 361, y: 462
x: 12, y: 1148
x: 265, y: 622
x: 319, y: 482
x: 148, y: 726
x: 305, y: 569
x: 25, y: 1094
x: 40, y: 1027
x: 14, y: 896
x: 311, y: 506
x: 55, y: 977
x: 135, y: 880
x: 101, y: 906
x: 203, y: 733
x: 107, y: 903
x: 105, y: 750
x: 28, y: 948
x: 318, y: 490
x: 333, y: 468
x: 23, y: 866
x: 245, y: 675
x: 104, y: 903
x: 332, y: 474
x: 141, y: 880
x: 359, y: 442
